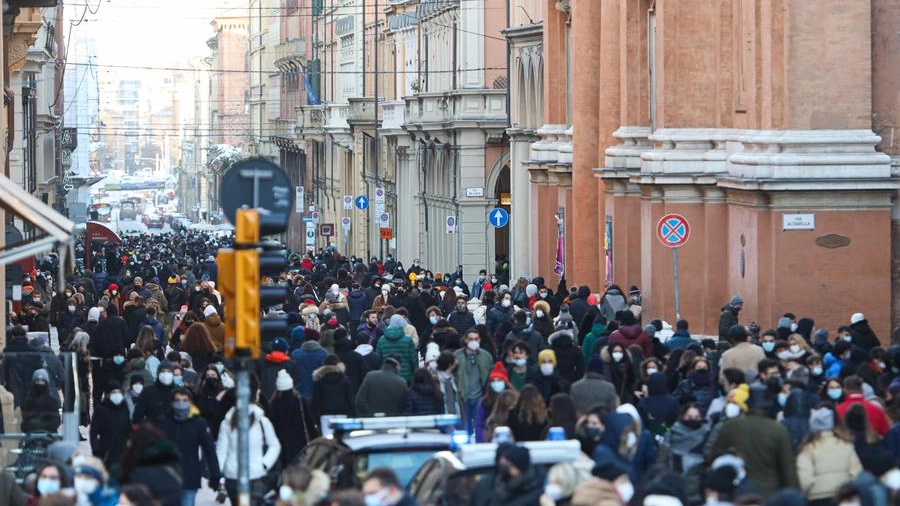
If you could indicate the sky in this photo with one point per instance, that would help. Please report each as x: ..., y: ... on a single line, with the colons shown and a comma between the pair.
x: 147, y: 33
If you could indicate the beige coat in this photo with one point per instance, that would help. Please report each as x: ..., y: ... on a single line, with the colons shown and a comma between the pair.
x: 744, y: 356
x: 826, y: 464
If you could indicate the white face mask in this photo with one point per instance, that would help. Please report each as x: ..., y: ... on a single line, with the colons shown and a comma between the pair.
x: 891, y: 479
x: 816, y: 371
x: 47, y: 486
x: 617, y: 356
x: 473, y: 345
x: 539, y: 313
x: 137, y: 388
x: 784, y: 355
x: 732, y: 410
x: 166, y: 377
x: 116, y: 398
x: 652, y: 370
x: 86, y: 486
x: 795, y: 348
x: 227, y: 382
x: 625, y: 491
x: 498, y: 386
x: 793, y: 327
x: 285, y: 493
x: 506, y: 303
x: 546, y: 369
x: 553, y: 491
x: 71, y: 309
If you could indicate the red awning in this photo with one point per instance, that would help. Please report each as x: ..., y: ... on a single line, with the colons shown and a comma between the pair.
x: 96, y: 231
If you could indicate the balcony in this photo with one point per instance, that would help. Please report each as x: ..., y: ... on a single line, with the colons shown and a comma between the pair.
x: 362, y: 114
x: 458, y: 109
x: 311, y: 122
x: 393, y: 115
x: 283, y: 134
x: 336, y: 124
x: 290, y: 55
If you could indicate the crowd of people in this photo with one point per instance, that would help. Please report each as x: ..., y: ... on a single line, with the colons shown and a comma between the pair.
x: 790, y: 415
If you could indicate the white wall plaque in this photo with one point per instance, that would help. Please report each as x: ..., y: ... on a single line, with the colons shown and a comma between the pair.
x: 798, y: 221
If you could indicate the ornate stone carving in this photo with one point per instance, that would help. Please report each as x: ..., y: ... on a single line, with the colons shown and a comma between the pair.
x: 832, y: 241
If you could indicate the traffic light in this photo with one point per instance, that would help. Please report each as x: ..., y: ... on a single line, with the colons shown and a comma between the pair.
x: 252, y: 261
x: 225, y: 262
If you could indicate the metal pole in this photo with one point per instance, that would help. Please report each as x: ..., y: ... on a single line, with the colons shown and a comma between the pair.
x: 675, y: 265
x: 243, y: 414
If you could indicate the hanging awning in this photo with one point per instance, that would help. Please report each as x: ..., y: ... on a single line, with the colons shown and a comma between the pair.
x: 57, y: 229
x: 96, y: 231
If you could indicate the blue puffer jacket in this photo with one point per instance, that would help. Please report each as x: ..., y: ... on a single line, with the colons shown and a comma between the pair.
x: 307, y: 358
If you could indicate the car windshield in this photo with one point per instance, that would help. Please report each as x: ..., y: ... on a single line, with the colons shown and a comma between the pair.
x: 404, y: 464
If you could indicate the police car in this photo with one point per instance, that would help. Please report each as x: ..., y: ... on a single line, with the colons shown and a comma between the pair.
x: 358, y: 445
x: 449, y: 477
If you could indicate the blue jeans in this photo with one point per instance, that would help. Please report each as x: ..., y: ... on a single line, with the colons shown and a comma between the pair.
x: 187, y: 497
x: 471, y: 407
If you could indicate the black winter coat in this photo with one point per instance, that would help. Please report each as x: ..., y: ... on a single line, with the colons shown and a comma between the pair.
x: 462, y: 322
x: 354, y: 365
x: 421, y: 400
x: 214, y: 409
x: 190, y: 436
x: 40, y: 412
x: 112, y: 336
x: 569, y: 361
x: 550, y: 385
x: 332, y: 392
x: 109, y: 431
x: 160, y: 470
x: 153, y: 403
x: 286, y: 411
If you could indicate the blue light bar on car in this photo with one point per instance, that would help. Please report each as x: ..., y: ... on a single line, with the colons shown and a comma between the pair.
x: 394, y: 422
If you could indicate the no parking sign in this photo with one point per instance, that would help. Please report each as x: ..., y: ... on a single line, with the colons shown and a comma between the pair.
x: 451, y: 224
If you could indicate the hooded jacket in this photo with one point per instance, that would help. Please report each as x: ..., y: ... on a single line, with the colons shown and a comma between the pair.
x: 626, y: 335
x: 264, y: 445
x: 659, y: 410
x: 863, y: 335
x: 307, y: 359
x: 271, y: 364
x: 569, y: 361
x: 332, y: 392
x: 213, y: 323
x: 394, y: 341
x: 109, y: 431
x: 190, y: 436
x: 358, y: 302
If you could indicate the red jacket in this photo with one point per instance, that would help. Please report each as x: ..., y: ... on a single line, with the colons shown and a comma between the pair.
x: 627, y: 335
x: 877, y: 418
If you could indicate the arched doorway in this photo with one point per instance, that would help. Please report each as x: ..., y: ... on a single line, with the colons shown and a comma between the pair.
x: 503, y: 194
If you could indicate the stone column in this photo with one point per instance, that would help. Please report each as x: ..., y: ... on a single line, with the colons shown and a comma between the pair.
x: 522, y: 225
x: 407, y: 188
x: 583, y: 259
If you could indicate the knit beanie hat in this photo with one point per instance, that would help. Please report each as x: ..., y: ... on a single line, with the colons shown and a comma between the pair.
x: 547, y: 354
x: 283, y: 381
x: 821, y: 419
x: 92, y: 466
x: 397, y: 321
x: 595, y: 364
x: 821, y: 336
x: 209, y: 310
x: 739, y: 396
x: 722, y: 479
x: 94, y: 314
x: 498, y: 372
x: 519, y: 456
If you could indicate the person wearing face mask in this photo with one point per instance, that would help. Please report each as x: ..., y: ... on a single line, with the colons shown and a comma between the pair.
x: 549, y: 381
x: 41, y: 409
x: 826, y: 459
x: 836, y: 359
x: 562, y: 478
x: 90, y: 484
x: 191, y: 435
x: 461, y: 318
x: 478, y: 285
x: 49, y: 479
x: 519, y: 364
x: 502, y: 312
x: 685, y: 441
x: 699, y: 385
x: 213, y: 399
x: 517, y: 480
x: 497, y: 382
x: 302, y: 486
x: 381, y: 487
x: 616, y: 474
x: 384, y: 298
x: 471, y: 375
x: 155, y: 399
x: 522, y: 331
x: 622, y: 372
x: 111, y: 425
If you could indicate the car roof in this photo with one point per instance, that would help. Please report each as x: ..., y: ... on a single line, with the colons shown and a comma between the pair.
x: 359, y: 441
x: 482, y: 455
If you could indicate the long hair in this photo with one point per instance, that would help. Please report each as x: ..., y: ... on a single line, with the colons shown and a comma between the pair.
x: 197, y: 341
x: 531, y: 407
x: 562, y: 411
x: 499, y: 416
x: 146, y: 341
x: 423, y: 381
x: 856, y: 421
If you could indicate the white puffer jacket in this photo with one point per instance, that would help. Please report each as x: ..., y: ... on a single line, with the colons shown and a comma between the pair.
x: 262, y: 437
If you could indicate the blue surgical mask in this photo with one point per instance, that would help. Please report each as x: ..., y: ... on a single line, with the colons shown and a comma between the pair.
x: 768, y: 346
x: 782, y: 398
x: 178, y: 380
x: 118, y: 360
x: 520, y: 361
x: 835, y: 393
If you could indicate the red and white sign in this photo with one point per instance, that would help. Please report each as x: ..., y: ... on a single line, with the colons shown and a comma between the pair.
x: 451, y: 224
x: 673, y: 230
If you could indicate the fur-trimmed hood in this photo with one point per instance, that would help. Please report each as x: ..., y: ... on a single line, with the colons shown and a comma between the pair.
x: 563, y: 333
x: 320, y: 373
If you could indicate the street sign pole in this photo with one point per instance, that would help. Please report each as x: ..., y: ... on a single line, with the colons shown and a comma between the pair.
x: 673, y: 231
x: 675, y: 268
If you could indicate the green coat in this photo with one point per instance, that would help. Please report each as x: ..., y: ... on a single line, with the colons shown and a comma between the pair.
x: 394, y: 341
x: 483, y: 360
x: 765, y: 446
x: 590, y: 341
